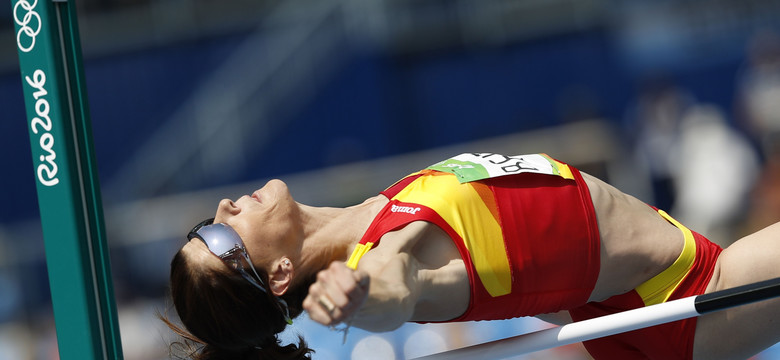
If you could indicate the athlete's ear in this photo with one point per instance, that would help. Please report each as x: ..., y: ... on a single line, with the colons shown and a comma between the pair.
x: 281, y: 276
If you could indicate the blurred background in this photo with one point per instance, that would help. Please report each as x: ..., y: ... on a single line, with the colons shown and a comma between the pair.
x: 676, y: 102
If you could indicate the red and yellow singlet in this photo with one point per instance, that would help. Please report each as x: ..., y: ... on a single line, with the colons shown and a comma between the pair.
x: 526, y: 229
x: 524, y: 225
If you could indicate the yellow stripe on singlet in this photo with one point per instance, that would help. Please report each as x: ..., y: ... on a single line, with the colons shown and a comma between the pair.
x: 658, y: 289
x: 360, y: 250
x: 466, y: 208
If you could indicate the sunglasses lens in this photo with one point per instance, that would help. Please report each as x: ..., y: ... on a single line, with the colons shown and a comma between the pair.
x: 220, y: 238
x: 194, y: 232
x: 225, y: 242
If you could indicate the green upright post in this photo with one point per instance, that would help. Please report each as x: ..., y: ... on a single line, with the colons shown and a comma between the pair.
x: 67, y: 181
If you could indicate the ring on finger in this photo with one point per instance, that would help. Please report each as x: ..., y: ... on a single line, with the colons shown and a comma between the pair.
x: 326, y: 304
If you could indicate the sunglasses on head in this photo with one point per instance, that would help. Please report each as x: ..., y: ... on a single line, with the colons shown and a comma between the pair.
x: 225, y: 243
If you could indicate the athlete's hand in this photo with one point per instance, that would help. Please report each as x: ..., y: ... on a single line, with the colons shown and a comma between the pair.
x: 337, y: 295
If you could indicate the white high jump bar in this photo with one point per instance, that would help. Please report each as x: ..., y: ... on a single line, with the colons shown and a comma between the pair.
x: 615, y: 323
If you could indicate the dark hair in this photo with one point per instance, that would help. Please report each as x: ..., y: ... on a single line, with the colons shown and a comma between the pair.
x: 226, y: 317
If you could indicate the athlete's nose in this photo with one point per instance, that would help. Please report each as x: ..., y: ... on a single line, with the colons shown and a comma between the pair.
x: 226, y: 209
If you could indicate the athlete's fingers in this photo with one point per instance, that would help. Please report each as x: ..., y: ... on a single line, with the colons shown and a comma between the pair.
x: 326, y: 304
x: 358, y: 281
x: 352, y: 286
x: 345, y: 288
x: 334, y: 284
x: 319, y: 306
x: 337, y: 294
x: 325, y: 300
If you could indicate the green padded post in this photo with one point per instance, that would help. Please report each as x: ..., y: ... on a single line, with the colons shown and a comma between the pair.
x: 66, y: 176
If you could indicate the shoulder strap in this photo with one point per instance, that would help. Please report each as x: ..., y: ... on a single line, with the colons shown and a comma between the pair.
x: 394, y: 215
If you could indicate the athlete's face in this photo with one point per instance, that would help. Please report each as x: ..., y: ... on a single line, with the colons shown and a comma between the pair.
x: 268, y: 221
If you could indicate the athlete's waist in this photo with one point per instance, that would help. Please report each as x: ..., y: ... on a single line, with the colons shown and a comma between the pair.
x: 659, y: 288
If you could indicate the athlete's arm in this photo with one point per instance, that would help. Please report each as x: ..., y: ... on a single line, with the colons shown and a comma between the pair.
x: 392, y: 296
x: 415, y: 275
x: 379, y: 298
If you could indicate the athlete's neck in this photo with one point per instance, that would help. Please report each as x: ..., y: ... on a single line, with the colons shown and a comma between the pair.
x: 330, y: 234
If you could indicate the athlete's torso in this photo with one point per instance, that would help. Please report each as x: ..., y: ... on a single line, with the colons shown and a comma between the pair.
x: 529, y: 241
x: 619, y: 257
x: 636, y: 242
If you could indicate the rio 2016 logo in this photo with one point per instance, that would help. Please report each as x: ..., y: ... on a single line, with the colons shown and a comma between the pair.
x: 47, y: 169
x: 29, y: 24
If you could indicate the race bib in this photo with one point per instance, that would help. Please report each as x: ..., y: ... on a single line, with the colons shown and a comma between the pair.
x: 477, y: 166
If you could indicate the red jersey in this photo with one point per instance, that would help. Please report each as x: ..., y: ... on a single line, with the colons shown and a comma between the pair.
x: 524, y: 226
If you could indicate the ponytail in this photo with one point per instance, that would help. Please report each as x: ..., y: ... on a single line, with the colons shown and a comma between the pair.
x: 194, y: 349
x: 227, y: 317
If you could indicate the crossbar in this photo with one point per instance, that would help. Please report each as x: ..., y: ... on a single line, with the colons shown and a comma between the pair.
x: 615, y: 323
